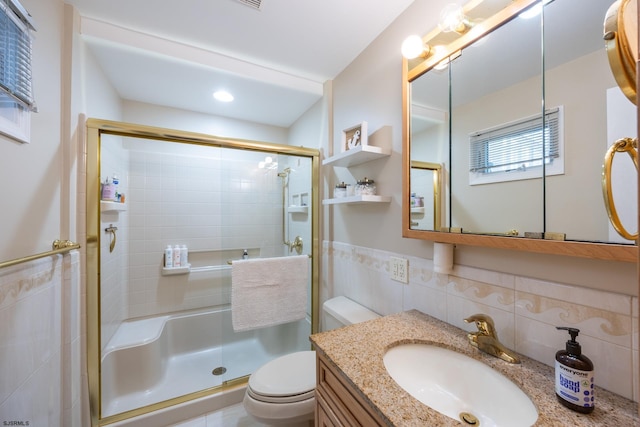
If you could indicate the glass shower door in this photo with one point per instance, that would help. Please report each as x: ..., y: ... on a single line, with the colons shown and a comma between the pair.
x: 265, y: 209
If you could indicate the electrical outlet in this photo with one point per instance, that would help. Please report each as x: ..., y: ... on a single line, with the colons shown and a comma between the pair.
x: 399, y: 269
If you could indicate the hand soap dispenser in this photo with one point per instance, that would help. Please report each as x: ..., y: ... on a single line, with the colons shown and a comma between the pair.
x: 574, y: 376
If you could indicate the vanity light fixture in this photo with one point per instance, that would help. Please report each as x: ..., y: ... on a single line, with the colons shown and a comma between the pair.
x: 453, y: 19
x: 223, y: 96
x: 413, y: 47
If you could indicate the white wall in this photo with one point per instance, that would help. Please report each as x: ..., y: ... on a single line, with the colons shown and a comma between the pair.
x: 172, y: 118
x: 32, y: 173
x: 41, y: 349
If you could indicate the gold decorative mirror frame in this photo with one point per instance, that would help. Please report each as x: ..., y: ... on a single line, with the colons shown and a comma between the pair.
x: 503, y: 12
x: 434, y: 205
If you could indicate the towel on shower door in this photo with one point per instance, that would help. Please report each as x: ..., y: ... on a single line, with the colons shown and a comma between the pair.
x: 268, y: 291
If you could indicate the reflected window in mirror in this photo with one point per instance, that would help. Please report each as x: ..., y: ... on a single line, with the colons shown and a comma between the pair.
x: 516, y: 150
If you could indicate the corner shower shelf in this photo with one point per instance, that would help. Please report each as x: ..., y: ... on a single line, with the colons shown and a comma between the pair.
x: 171, y: 271
x: 357, y: 200
x: 108, y: 206
x: 358, y: 155
x: 418, y: 210
x: 298, y: 209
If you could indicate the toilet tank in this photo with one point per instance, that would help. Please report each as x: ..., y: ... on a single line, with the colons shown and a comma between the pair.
x: 341, y: 311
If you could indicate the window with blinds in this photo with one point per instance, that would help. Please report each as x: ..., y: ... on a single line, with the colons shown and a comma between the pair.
x: 16, y: 98
x: 517, y: 150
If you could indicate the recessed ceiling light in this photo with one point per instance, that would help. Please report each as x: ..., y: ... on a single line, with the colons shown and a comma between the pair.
x: 223, y: 96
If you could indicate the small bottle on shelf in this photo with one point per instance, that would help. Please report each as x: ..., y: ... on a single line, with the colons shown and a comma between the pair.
x: 168, y: 257
x: 176, y: 256
x: 184, y: 256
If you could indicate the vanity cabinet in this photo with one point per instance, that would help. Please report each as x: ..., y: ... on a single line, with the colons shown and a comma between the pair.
x: 337, y: 402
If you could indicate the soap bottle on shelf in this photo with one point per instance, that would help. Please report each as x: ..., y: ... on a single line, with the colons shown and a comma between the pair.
x: 168, y: 257
x: 115, y: 181
x: 184, y: 256
x: 177, y: 262
x: 245, y: 254
x: 108, y: 190
x: 574, y: 376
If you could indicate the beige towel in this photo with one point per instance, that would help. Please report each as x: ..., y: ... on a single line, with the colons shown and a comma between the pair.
x: 268, y: 291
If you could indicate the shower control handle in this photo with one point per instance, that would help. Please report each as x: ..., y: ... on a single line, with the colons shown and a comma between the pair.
x: 297, y: 244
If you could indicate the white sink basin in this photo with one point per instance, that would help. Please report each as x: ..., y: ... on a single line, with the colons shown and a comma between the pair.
x: 458, y: 386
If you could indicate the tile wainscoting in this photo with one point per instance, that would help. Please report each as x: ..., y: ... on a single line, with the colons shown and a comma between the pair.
x: 525, y: 310
x: 40, y: 342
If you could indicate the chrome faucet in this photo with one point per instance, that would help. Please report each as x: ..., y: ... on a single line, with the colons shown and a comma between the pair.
x: 486, y: 339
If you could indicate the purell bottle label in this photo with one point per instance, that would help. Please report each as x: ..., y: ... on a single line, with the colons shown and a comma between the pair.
x: 575, y: 386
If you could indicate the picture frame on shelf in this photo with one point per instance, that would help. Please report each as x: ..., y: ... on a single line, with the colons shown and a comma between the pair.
x: 354, y: 137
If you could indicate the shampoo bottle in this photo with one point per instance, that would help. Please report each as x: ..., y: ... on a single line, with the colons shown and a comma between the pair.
x: 168, y: 257
x: 184, y: 256
x: 116, y: 193
x: 574, y: 376
x: 108, y: 190
x: 177, y: 262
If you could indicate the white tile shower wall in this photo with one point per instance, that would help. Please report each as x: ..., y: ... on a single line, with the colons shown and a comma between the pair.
x: 113, y: 265
x: 298, y: 190
x: 207, y: 198
x: 31, y: 343
x: 526, y: 311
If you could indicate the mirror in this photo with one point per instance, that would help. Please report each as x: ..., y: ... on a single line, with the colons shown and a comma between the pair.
x: 496, y: 81
x: 491, y: 97
x: 426, y: 189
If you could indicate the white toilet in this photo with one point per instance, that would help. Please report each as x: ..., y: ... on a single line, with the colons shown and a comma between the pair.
x: 282, y: 392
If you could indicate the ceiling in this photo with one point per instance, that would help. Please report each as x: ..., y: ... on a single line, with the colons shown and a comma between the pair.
x: 274, y: 59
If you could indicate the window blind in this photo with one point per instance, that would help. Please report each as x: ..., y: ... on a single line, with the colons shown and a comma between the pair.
x: 516, y: 146
x: 15, y: 53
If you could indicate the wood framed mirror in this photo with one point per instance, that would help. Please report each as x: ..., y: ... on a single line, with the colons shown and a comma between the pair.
x: 454, y: 105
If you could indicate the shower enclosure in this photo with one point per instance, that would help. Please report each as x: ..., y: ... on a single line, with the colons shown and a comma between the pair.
x: 160, y: 336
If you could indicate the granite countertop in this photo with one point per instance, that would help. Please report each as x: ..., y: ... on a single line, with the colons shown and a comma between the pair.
x: 357, y: 351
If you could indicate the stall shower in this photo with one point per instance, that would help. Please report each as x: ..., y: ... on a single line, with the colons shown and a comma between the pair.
x: 161, y: 336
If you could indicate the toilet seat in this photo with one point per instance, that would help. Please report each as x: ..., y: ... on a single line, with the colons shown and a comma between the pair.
x: 281, y: 399
x: 286, y: 379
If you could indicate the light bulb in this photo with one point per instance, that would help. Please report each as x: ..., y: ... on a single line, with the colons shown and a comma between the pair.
x: 412, y: 47
x: 452, y: 19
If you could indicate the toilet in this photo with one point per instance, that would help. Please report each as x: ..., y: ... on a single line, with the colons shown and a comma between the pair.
x: 282, y: 392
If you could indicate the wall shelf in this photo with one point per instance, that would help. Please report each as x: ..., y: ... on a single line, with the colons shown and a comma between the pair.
x: 358, y: 155
x: 298, y: 209
x: 357, y: 200
x: 418, y: 210
x: 108, y: 206
x: 171, y: 271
